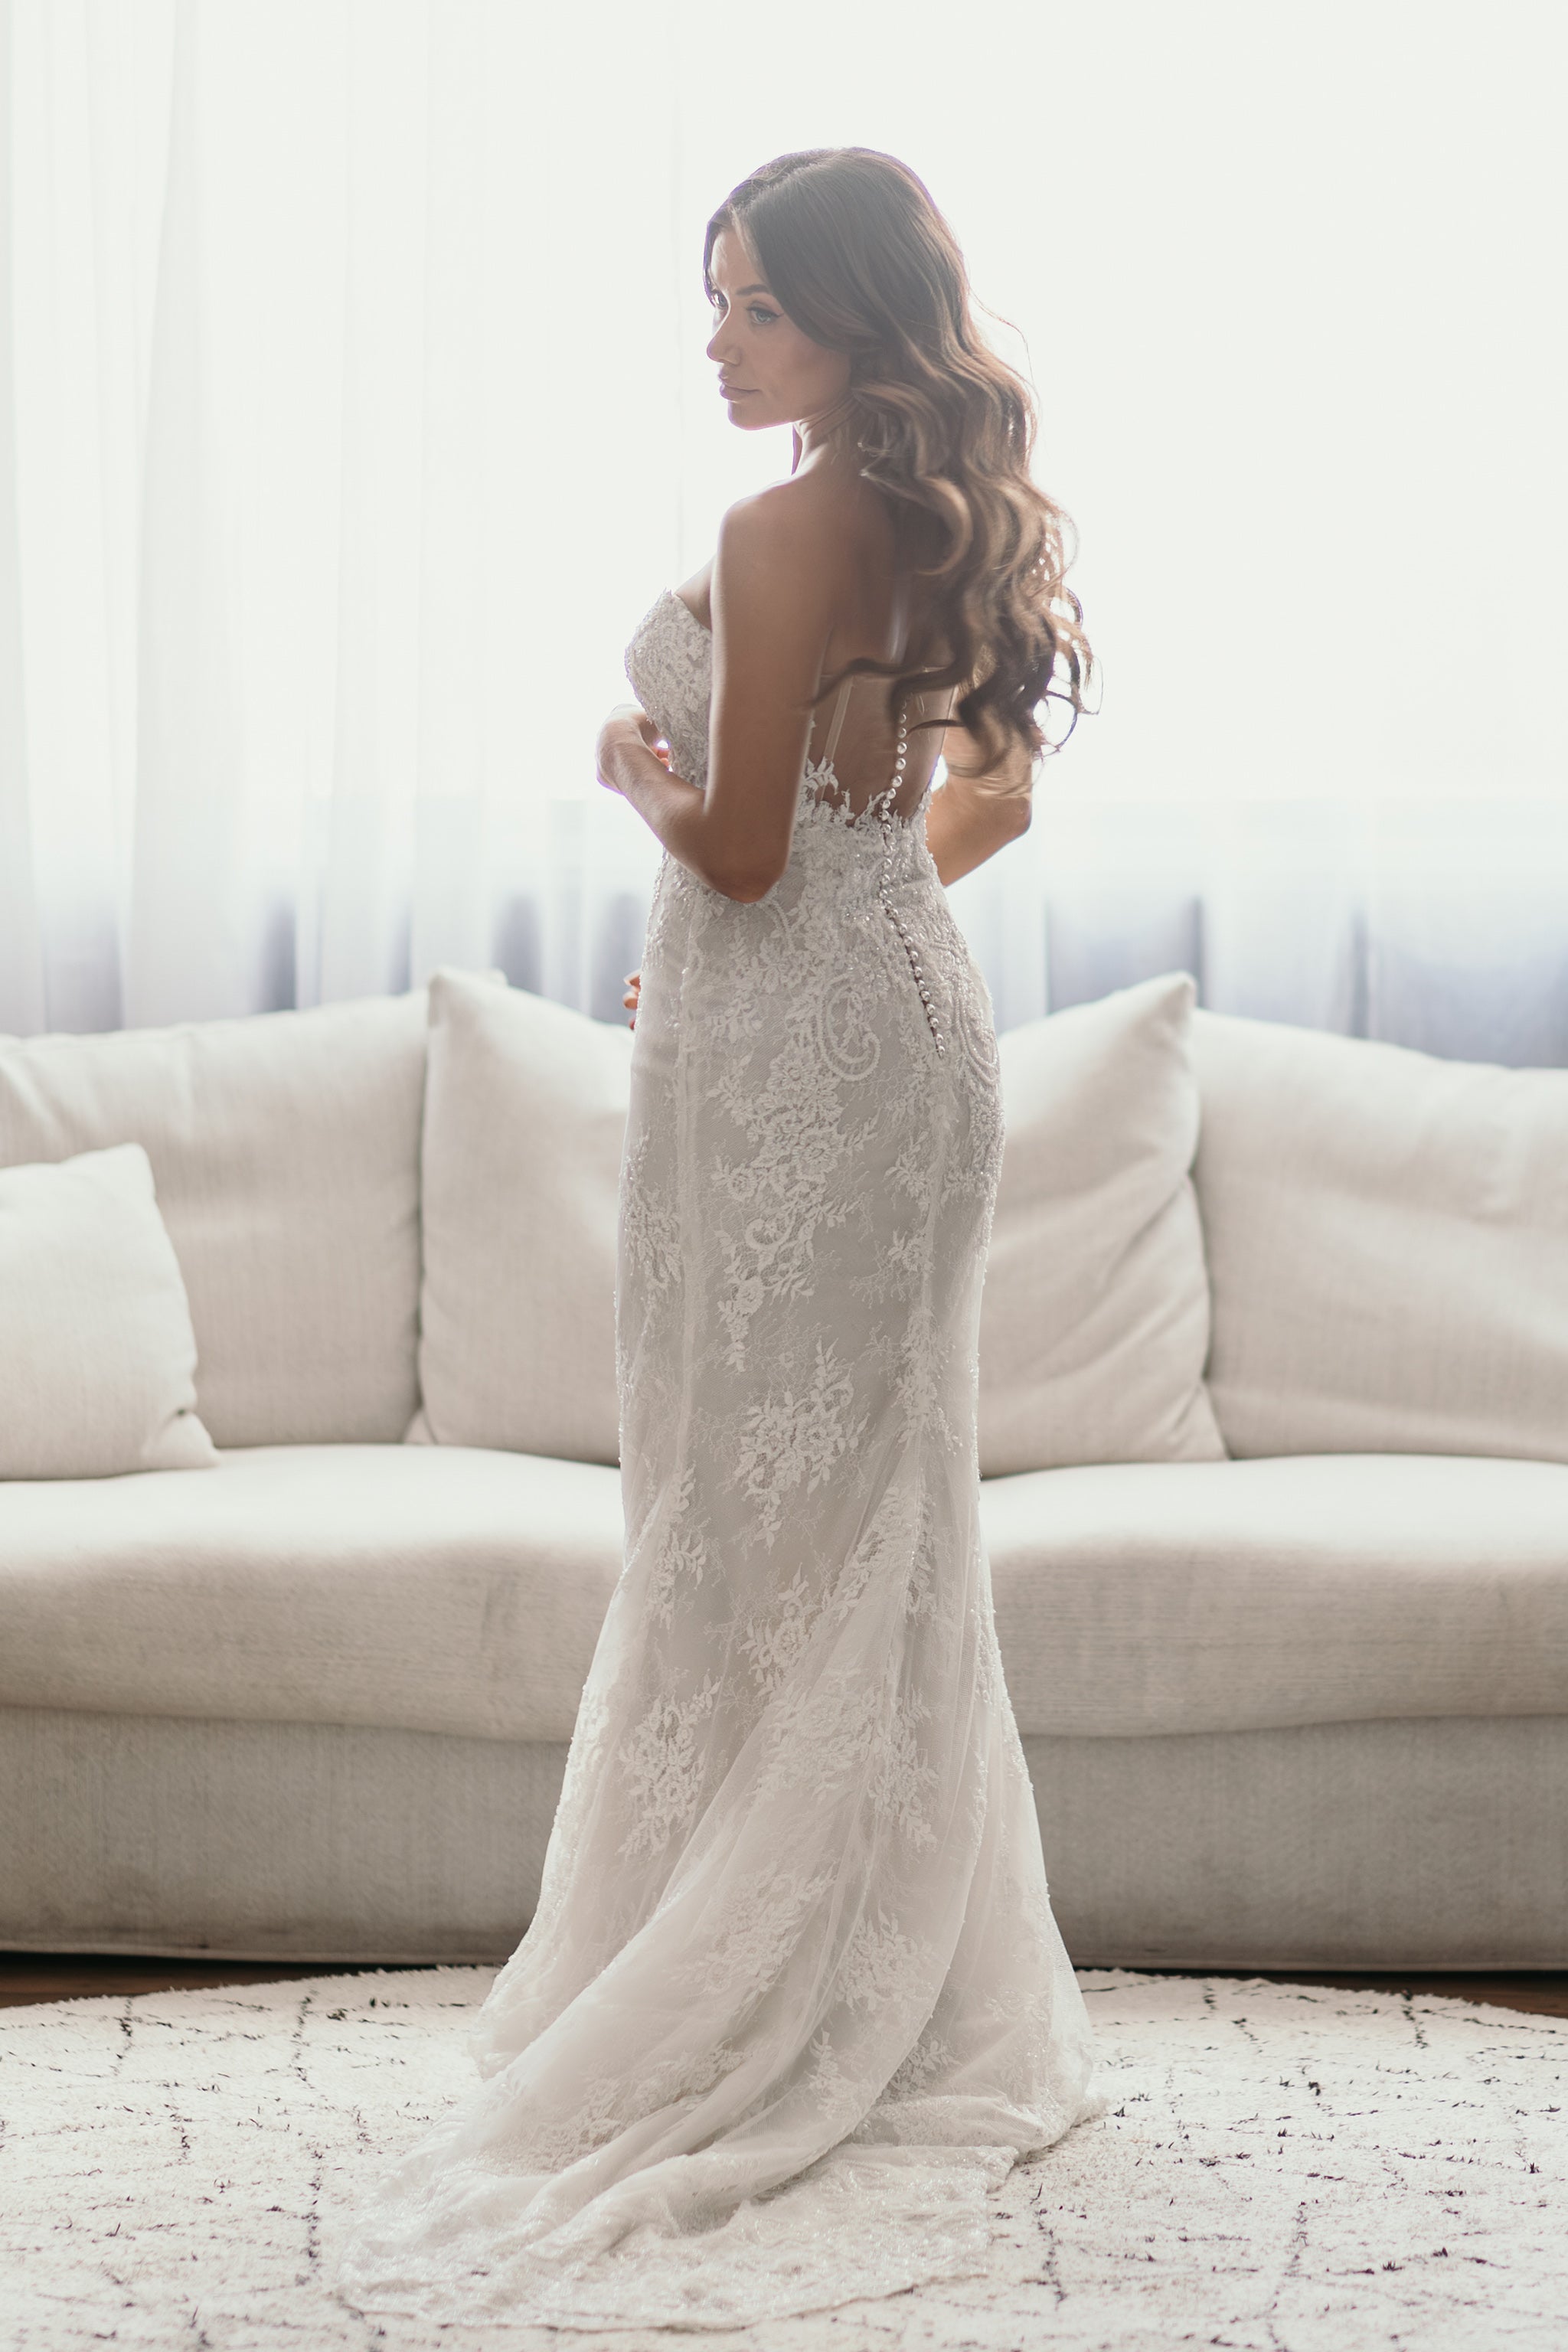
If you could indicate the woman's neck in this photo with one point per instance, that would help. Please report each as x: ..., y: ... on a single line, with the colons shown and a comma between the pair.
x: 820, y: 439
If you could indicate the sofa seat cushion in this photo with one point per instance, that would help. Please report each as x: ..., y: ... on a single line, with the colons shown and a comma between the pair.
x: 417, y: 1588
x: 452, y: 1589
x: 1240, y: 1596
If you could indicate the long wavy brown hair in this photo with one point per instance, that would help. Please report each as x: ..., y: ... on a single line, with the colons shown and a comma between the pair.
x: 855, y: 249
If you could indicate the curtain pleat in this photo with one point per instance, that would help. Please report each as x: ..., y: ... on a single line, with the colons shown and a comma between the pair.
x: 353, y: 406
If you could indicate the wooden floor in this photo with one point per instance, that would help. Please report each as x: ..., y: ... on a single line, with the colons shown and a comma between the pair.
x: 27, y: 1978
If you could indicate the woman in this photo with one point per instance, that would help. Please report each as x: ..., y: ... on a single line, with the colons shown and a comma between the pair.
x: 793, y: 2002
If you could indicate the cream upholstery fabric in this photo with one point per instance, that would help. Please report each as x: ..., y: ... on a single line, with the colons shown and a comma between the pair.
x: 267, y: 1841
x: 524, y: 1122
x: 1095, y: 1318
x: 1236, y: 1596
x: 430, y: 1586
x: 1430, y: 1843
x: 1438, y: 1844
x: 285, y: 1149
x: 1387, y: 1239
x: 97, y: 1355
x: 436, y: 1589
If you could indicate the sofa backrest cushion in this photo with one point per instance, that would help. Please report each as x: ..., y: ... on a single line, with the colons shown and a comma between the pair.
x: 98, y: 1358
x: 1094, y: 1320
x: 525, y: 1121
x: 1387, y: 1240
x: 285, y: 1151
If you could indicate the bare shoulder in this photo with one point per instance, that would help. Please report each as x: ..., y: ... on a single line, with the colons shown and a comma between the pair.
x: 792, y: 531
x: 776, y: 578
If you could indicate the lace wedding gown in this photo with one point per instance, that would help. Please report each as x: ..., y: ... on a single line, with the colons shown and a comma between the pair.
x: 794, y: 2001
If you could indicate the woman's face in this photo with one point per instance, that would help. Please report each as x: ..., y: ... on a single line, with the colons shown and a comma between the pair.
x: 770, y: 371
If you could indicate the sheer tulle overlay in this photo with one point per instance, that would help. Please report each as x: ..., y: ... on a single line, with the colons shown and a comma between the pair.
x: 794, y: 2001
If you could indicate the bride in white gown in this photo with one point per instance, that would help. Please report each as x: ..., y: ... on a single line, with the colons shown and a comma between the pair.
x: 794, y: 2001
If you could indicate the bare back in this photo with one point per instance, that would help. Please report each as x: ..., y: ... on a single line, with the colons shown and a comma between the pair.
x: 878, y: 612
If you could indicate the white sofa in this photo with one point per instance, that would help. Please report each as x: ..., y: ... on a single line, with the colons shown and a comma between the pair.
x: 1273, y: 1413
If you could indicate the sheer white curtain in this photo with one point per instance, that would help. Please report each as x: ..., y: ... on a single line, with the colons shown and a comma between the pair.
x: 353, y: 406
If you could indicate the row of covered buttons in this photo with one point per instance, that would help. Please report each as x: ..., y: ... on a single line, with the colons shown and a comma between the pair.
x: 884, y: 887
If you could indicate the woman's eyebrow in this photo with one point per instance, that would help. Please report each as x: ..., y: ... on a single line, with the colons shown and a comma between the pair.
x: 744, y: 290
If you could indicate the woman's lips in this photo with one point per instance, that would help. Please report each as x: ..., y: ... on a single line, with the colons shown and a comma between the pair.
x: 733, y: 392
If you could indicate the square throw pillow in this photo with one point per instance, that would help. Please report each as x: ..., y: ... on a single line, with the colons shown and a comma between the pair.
x: 285, y: 1149
x: 1387, y: 1240
x: 525, y: 1114
x: 98, y: 1358
x: 1094, y: 1321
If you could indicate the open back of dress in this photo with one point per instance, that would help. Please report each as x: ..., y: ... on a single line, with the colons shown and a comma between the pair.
x: 860, y: 746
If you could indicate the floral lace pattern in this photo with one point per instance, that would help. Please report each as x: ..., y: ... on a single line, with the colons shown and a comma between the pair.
x: 792, y: 2000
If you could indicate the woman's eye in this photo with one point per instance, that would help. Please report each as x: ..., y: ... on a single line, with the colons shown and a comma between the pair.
x: 755, y: 310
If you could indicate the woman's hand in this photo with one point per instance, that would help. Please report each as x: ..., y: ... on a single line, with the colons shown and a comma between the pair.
x: 627, y: 722
x: 963, y: 757
x: 633, y: 996
x: 978, y: 809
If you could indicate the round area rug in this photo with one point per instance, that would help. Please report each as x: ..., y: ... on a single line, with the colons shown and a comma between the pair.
x: 1288, y: 2170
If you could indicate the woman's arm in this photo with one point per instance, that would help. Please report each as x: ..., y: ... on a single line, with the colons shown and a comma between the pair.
x: 771, y: 599
x: 977, y: 810
x: 668, y: 805
x: 970, y: 816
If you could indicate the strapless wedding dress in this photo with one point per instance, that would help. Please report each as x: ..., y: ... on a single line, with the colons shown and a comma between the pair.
x: 793, y: 2001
